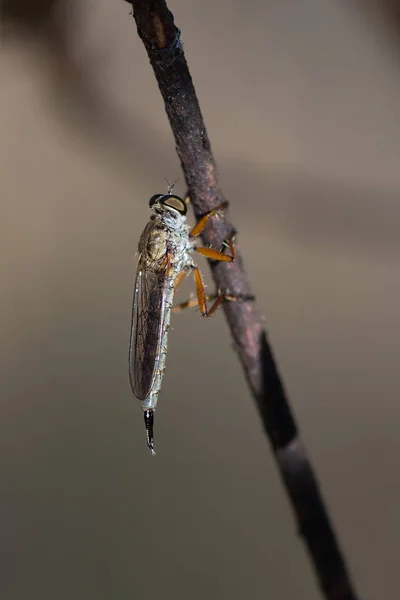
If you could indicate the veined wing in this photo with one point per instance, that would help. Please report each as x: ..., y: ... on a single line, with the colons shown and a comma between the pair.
x: 148, y: 316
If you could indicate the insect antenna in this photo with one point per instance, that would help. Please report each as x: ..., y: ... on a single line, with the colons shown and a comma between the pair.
x: 171, y: 187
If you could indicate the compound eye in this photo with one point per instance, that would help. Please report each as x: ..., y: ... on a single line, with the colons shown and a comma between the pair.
x: 175, y: 202
x: 154, y: 199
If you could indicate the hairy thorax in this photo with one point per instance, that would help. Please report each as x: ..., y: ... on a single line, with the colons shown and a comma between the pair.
x: 158, y: 240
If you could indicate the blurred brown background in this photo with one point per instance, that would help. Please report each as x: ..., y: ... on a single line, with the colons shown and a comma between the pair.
x: 301, y: 101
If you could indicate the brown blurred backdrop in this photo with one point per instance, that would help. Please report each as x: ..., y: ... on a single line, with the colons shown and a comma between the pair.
x: 301, y: 101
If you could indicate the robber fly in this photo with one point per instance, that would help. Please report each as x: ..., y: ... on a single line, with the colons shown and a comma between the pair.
x: 165, y: 257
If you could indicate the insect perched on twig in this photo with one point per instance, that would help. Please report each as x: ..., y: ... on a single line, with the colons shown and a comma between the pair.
x: 165, y: 249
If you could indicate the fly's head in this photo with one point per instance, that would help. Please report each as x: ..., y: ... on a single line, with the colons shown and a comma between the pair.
x: 171, y: 209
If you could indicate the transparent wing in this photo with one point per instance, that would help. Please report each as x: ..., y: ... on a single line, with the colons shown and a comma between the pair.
x: 148, y: 317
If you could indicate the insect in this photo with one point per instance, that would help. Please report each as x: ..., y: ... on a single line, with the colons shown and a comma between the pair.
x: 165, y: 257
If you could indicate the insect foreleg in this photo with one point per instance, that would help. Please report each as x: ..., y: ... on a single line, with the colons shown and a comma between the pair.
x: 201, y: 223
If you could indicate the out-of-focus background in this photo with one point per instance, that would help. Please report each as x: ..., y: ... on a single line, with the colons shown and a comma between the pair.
x: 301, y: 101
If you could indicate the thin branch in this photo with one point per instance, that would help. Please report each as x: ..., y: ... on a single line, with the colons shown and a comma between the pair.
x: 155, y: 25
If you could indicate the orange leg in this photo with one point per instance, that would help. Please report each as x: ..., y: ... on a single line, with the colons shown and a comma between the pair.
x: 221, y: 297
x: 201, y: 300
x: 211, y: 253
x: 200, y: 291
x: 188, y: 304
x: 180, y: 278
x: 219, y: 254
x: 201, y: 295
x: 198, y: 228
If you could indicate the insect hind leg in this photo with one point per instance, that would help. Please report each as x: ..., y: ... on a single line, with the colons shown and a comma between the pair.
x: 201, y: 300
x: 220, y: 297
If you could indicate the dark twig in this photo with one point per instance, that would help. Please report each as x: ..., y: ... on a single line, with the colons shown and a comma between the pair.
x: 161, y: 38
